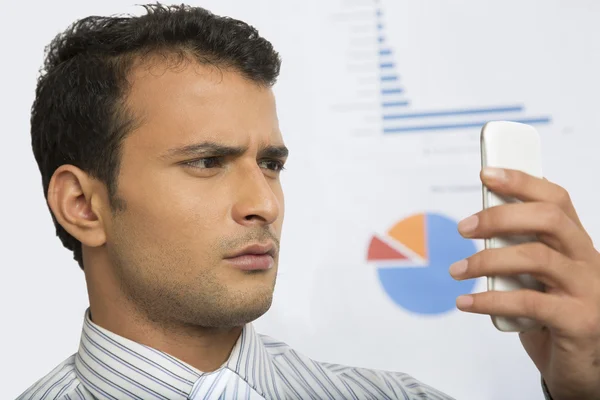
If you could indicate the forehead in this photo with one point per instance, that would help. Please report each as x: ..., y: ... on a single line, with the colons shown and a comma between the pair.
x: 191, y: 103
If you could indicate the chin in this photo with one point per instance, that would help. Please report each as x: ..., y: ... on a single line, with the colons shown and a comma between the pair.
x: 245, y: 309
x: 256, y: 299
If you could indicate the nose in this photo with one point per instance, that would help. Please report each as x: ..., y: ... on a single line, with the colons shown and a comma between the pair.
x: 256, y: 202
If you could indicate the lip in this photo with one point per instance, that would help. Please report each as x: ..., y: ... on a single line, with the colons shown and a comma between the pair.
x: 254, y: 258
x: 256, y: 250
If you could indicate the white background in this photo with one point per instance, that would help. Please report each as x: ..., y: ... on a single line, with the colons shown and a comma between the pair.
x: 344, y: 180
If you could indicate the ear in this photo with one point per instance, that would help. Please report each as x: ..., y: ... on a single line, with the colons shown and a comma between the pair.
x: 76, y: 200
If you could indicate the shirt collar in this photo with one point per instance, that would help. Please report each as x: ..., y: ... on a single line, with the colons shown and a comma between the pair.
x: 111, y: 365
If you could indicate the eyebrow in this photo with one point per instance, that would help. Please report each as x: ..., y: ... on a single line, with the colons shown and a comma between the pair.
x: 213, y: 149
x: 274, y: 152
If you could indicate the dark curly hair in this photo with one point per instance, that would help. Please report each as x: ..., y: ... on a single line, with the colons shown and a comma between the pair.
x: 79, y: 115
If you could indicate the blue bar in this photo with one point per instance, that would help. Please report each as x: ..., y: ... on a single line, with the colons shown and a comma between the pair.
x: 395, y: 103
x: 379, y: 12
x: 381, y: 39
x: 380, y: 26
x: 385, y: 52
x: 391, y: 91
x: 387, y: 78
x: 473, y: 111
x: 386, y: 65
x: 531, y: 121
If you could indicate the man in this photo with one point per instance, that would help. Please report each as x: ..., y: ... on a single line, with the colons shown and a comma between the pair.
x: 160, y: 154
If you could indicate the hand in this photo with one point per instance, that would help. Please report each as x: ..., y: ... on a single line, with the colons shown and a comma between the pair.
x: 566, y: 350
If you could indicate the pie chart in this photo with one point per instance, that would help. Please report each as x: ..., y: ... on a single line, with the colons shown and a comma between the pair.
x: 412, y: 261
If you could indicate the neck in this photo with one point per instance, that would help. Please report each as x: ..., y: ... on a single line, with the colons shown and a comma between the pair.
x: 205, y: 349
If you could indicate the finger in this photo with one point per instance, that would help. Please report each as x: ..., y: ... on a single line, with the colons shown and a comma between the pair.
x: 525, y: 187
x: 543, y: 307
x: 542, y: 262
x: 546, y: 220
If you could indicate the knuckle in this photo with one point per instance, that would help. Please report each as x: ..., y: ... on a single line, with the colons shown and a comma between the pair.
x: 531, y: 303
x: 481, y: 260
x: 485, y: 262
x: 590, y: 325
x: 563, y: 198
x: 551, y: 216
x: 587, y: 319
x: 538, y: 253
x: 517, y: 179
x: 492, y: 217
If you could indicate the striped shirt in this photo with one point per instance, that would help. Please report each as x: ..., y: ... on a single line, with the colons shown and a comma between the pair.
x: 108, y: 366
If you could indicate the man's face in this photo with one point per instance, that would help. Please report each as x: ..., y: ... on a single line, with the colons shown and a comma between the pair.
x: 200, y: 180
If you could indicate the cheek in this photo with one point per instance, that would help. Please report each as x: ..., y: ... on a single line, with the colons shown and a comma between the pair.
x: 165, y: 240
x: 175, y: 212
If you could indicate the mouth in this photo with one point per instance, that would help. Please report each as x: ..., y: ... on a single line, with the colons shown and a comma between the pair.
x: 256, y: 257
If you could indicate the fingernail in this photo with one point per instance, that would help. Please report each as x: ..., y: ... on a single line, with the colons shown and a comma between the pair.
x: 468, y: 225
x: 464, y: 301
x: 458, y: 268
x: 497, y: 174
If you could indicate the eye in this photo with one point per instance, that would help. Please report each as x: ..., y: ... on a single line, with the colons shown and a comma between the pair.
x: 206, y: 163
x: 273, y: 165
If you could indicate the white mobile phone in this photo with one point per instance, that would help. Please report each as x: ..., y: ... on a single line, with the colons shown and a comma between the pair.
x: 516, y: 146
